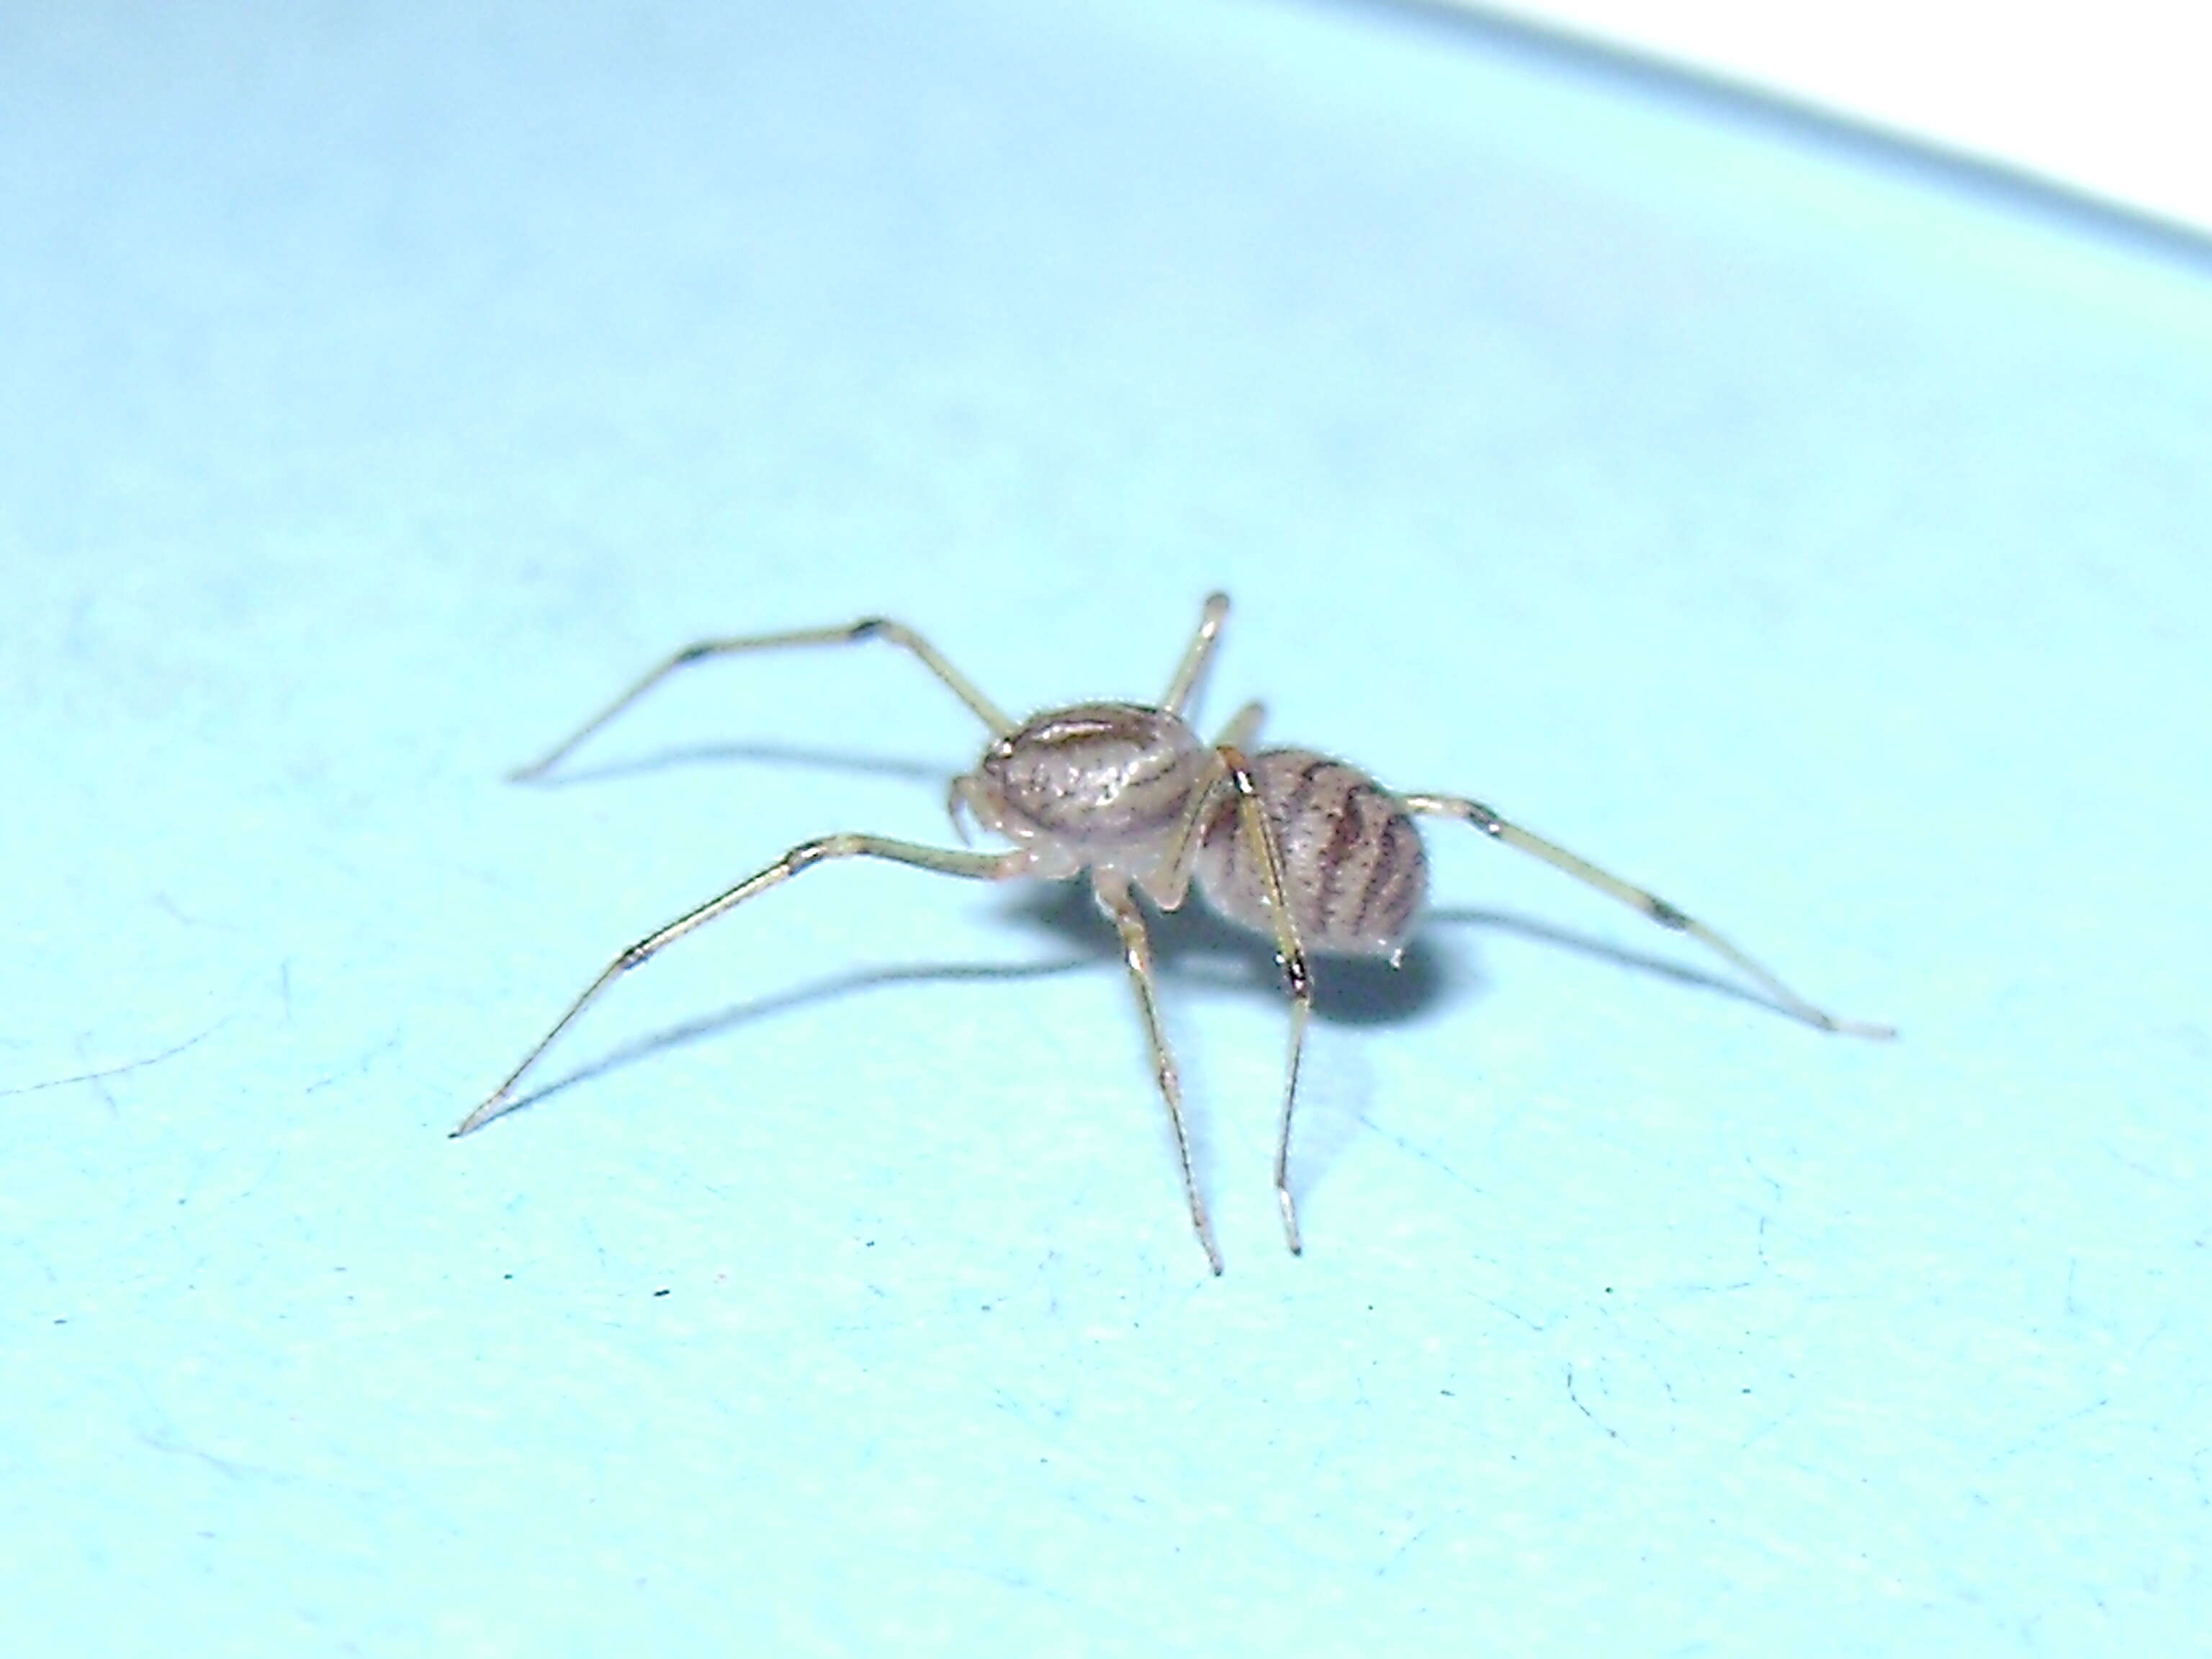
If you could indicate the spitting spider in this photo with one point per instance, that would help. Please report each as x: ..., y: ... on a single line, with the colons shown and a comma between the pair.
x: 1290, y: 844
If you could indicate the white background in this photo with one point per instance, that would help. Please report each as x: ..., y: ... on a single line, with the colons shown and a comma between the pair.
x: 2109, y: 99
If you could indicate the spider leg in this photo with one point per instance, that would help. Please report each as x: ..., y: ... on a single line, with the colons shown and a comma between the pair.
x: 1259, y: 836
x: 1195, y: 656
x: 1114, y: 899
x: 1169, y: 883
x: 868, y: 628
x: 975, y: 866
x: 1649, y: 904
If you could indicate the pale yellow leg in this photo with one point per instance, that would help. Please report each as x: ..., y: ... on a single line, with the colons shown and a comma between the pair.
x: 1252, y: 821
x: 1497, y: 829
x: 977, y: 866
x: 1195, y: 656
x: 868, y: 628
x: 1137, y: 952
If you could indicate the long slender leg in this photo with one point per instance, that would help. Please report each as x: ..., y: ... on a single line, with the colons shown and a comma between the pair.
x: 1137, y: 950
x: 1170, y: 884
x: 1252, y: 820
x: 1170, y: 881
x: 1497, y: 829
x: 1195, y: 656
x: 1244, y: 726
x: 978, y: 866
x: 868, y: 628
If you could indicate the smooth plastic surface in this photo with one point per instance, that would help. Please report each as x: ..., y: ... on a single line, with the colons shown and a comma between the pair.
x: 1821, y: 543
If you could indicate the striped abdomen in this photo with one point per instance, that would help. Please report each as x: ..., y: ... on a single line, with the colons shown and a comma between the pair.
x: 1353, y: 866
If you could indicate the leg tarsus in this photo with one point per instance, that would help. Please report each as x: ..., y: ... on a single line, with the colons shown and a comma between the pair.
x: 1300, y: 1007
x: 1499, y: 828
x: 976, y: 866
x: 1137, y: 952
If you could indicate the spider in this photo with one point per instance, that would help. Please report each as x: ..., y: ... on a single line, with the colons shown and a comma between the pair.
x: 1304, y: 849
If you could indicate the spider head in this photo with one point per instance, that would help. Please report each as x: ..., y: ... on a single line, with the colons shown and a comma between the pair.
x: 1094, y: 785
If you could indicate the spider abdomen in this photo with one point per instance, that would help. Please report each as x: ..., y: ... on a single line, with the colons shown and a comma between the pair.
x: 1353, y: 867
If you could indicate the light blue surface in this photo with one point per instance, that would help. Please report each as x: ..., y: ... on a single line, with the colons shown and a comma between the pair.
x: 1809, y: 537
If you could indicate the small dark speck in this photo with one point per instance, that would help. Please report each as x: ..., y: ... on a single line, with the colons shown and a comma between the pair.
x: 1743, y: 1390
x: 61, y: 1322
x: 507, y: 1275
x: 1608, y: 1289
x: 662, y: 1291
x: 1447, y: 1393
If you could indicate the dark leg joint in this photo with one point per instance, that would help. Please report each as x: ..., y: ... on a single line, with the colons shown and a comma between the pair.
x: 809, y: 852
x: 1668, y: 916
